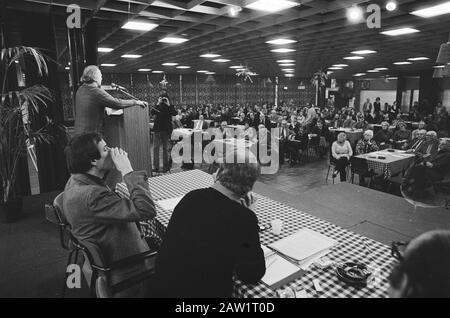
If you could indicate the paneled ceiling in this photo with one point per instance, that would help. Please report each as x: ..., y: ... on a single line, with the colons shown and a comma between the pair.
x: 321, y: 28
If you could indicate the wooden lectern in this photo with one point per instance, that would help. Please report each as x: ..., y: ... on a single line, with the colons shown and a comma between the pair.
x: 129, y: 131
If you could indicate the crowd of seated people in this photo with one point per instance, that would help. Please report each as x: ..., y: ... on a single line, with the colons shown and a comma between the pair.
x: 296, y: 124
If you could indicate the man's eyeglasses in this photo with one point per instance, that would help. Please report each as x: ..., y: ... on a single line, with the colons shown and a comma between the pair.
x: 398, y: 249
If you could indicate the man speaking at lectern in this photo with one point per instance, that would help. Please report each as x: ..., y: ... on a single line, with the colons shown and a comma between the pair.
x: 91, y: 100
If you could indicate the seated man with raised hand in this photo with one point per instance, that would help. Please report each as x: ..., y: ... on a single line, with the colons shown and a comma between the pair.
x: 212, y: 235
x: 98, y: 215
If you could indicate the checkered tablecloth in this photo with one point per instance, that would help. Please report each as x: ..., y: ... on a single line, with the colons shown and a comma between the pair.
x: 395, y: 162
x: 351, y: 246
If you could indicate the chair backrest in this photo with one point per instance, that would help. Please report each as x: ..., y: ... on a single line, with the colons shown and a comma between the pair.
x: 102, y: 288
x: 54, y: 214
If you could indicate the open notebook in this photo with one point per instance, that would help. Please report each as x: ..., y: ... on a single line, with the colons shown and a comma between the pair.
x: 304, y: 246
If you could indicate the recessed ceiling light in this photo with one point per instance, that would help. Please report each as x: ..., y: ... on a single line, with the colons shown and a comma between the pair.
x: 170, y: 64
x: 359, y: 74
x: 373, y: 71
x: 202, y: 71
x: 210, y: 55
x: 433, y: 11
x: 131, y: 56
x: 439, y: 66
x: 288, y: 70
x: 221, y: 60
x: 402, y: 63
x: 381, y: 68
x: 104, y: 49
x: 240, y: 69
x: 354, y: 58
x: 286, y: 61
x: 183, y: 67
x: 354, y: 14
x: 157, y: 72
x: 340, y: 65
x: 287, y: 64
x: 173, y: 40
x: 392, y: 78
x: 401, y: 31
x: 210, y: 73
x: 281, y: 41
x: 391, y: 6
x: 108, y: 64
x: 67, y: 68
x: 144, y: 69
x: 421, y: 58
x: 364, y: 52
x: 289, y: 75
x: 140, y: 26
x: 335, y: 68
x: 283, y: 50
x: 236, y: 66
x: 271, y: 5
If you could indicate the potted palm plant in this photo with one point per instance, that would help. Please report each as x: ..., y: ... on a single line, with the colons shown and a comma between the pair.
x: 19, y: 106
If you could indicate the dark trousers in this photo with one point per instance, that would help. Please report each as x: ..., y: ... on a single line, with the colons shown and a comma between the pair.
x: 161, y: 138
x: 341, y: 164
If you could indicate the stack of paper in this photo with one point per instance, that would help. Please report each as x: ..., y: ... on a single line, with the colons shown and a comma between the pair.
x: 279, y: 271
x: 304, y: 246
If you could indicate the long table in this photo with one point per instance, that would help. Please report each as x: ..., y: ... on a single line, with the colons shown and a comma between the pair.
x: 388, y: 163
x: 351, y: 246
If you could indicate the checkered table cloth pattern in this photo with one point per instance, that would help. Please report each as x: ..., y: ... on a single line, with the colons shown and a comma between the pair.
x: 351, y: 246
x: 392, y: 166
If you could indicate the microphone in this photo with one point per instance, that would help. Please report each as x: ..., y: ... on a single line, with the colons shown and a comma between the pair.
x: 113, y: 85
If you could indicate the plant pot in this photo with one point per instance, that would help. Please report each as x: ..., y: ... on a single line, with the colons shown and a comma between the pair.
x: 11, y: 211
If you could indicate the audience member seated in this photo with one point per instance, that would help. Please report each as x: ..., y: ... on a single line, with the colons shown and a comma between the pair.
x: 97, y: 214
x: 384, y: 137
x: 417, y: 142
x: 337, y: 122
x: 249, y: 133
x: 213, y: 235
x: 366, y: 144
x: 415, y: 131
x: 360, y: 122
x: 402, y: 136
x: 341, y: 152
x: 422, y: 270
x: 283, y: 143
x: 349, y: 122
x: 297, y: 141
x: 429, y: 148
x: 398, y: 119
x: 201, y: 124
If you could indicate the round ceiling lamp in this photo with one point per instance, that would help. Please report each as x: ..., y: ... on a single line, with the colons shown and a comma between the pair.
x: 391, y: 5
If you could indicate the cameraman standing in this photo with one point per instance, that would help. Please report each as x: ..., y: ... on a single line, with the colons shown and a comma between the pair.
x: 163, y: 130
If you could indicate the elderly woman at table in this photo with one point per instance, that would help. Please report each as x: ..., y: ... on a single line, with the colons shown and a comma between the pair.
x: 423, y: 267
x: 213, y: 234
x: 366, y: 144
x: 361, y: 123
x: 341, y: 152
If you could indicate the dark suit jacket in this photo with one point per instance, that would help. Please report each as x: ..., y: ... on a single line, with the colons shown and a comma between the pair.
x: 91, y: 101
x: 163, y: 120
x: 209, y: 238
x: 97, y: 214
x: 428, y: 147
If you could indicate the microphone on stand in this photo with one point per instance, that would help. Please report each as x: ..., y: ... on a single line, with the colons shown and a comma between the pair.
x: 113, y: 85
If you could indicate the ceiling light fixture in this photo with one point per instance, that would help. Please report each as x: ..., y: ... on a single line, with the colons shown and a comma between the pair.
x: 236, y: 66
x: 422, y: 58
x: 401, y: 31
x: 202, y: 71
x: 210, y: 73
x: 439, y: 66
x: 402, y: 63
x: 185, y: 67
x: 335, y: 68
x: 210, y: 55
x: 144, y: 69
x: 271, y: 5
x: 354, y: 14
x: 104, y: 49
x: 433, y: 11
x: 359, y: 74
x: 353, y: 58
x: 340, y: 65
x: 139, y: 26
x: 282, y: 50
x: 286, y: 61
x: 364, y: 52
x: 289, y: 75
x: 157, y: 72
x: 381, y: 69
x: 173, y: 40
x: 373, y: 71
x: 131, y: 56
x: 287, y: 64
x: 221, y: 60
x: 170, y: 64
x: 281, y: 41
x: 108, y: 64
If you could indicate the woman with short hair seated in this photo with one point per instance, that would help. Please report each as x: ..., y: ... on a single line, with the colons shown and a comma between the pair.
x: 341, y: 152
x: 423, y: 269
x: 402, y: 136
